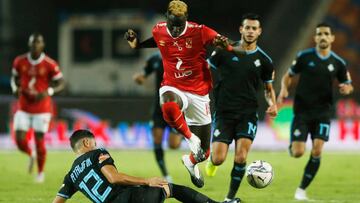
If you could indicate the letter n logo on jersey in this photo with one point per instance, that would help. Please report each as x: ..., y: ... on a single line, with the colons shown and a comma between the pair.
x: 188, y: 43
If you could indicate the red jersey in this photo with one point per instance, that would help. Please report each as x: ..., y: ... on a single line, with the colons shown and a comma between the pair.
x: 183, y: 57
x: 35, y: 77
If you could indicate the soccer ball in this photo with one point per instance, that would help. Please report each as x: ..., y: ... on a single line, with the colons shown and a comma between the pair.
x: 259, y: 174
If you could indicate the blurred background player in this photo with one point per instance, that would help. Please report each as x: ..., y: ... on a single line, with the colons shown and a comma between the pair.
x: 317, y: 67
x: 100, y: 181
x: 187, y: 80
x: 236, y: 101
x: 154, y: 65
x: 35, y: 78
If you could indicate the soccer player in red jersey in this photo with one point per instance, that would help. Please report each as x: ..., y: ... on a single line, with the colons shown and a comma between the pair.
x: 187, y: 81
x: 35, y: 78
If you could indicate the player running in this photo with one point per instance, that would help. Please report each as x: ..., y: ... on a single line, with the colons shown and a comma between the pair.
x: 94, y: 174
x: 35, y: 78
x: 317, y: 67
x: 236, y: 101
x: 187, y: 81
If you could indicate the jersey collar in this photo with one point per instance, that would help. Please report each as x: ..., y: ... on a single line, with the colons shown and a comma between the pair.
x: 322, y: 57
x: 183, y: 32
x: 37, y: 61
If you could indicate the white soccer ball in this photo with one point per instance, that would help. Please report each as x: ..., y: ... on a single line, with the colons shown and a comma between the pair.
x: 259, y: 174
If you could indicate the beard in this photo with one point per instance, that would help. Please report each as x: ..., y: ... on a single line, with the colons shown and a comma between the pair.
x: 323, y: 45
x: 250, y: 41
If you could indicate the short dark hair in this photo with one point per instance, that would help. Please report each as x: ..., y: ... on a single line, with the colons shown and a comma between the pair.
x: 78, y: 135
x: 323, y: 24
x: 250, y: 16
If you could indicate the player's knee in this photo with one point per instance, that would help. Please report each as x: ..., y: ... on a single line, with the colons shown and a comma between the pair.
x: 169, y: 109
x: 20, y: 135
x: 297, y: 153
x: 316, y: 152
x: 217, y: 159
x: 240, y: 158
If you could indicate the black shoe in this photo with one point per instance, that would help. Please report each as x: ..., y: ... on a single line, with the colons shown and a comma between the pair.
x: 196, y: 177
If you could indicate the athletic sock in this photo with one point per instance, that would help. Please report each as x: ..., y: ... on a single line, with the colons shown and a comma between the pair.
x: 159, y: 155
x: 41, y: 153
x: 188, y: 195
x: 175, y: 118
x: 23, y: 146
x: 237, y: 174
x: 310, y: 171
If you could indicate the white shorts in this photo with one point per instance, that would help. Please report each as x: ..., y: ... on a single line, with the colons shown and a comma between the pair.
x: 196, y: 108
x: 38, y: 121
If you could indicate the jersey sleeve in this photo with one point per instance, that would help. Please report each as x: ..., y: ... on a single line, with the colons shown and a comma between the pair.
x: 208, y: 35
x: 342, y: 74
x: 296, y: 66
x: 215, y: 59
x: 55, y: 72
x: 104, y: 158
x: 67, y: 189
x: 267, y: 71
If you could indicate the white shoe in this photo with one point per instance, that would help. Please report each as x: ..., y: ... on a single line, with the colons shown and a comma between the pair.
x: 300, y: 194
x: 195, y: 146
x: 40, y: 178
x: 194, y: 171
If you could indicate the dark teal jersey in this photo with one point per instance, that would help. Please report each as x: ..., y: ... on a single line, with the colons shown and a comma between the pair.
x: 239, y: 77
x: 85, y: 176
x: 314, y: 92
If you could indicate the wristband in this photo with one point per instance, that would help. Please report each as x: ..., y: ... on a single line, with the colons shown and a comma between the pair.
x: 50, y: 91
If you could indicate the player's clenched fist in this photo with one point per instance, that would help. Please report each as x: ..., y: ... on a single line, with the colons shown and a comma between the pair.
x: 131, y: 38
x: 221, y: 41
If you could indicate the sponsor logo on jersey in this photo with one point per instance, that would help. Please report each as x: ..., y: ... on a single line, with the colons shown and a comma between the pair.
x: 162, y: 43
x: 216, y: 132
x: 182, y: 74
x: 297, y: 133
x: 257, y: 63
x: 331, y: 67
x: 311, y: 64
x: 188, y: 43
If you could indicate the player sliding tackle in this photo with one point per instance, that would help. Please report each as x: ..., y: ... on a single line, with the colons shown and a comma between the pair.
x: 94, y: 174
x: 187, y: 81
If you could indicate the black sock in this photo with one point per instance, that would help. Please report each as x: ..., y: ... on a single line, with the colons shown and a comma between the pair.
x: 188, y: 195
x: 310, y: 171
x: 159, y: 155
x: 237, y: 174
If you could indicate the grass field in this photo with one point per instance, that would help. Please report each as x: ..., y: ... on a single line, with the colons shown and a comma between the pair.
x: 337, y: 181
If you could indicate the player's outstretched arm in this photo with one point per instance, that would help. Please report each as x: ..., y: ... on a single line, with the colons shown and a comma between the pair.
x: 59, y: 199
x: 225, y: 43
x: 133, y: 40
x: 285, y: 84
x: 114, y: 177
x: 271, y: 100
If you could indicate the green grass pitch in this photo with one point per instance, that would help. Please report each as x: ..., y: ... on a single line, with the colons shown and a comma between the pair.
x: 338, y: 180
